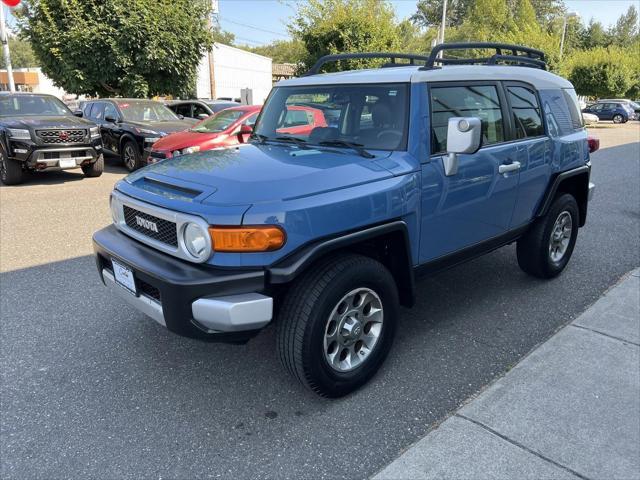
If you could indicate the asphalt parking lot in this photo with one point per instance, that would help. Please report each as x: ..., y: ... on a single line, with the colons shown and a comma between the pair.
x: 91, y: 388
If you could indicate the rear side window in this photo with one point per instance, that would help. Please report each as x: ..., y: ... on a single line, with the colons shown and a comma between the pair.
x: 574, y: 108
x: 465, y: 101
x: 97, y: 111
x: 526, y: 112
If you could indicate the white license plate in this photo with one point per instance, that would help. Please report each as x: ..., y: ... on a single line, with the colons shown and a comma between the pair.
x: 67, y: 162
x: 124, y: 276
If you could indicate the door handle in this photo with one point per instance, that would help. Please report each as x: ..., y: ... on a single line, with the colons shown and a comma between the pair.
x: 509, y: 167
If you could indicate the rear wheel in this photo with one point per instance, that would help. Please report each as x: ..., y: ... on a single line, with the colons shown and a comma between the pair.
x: 617, y: 118
x: 546, y: 248
x: 337, y: 324
x: 11, y: 172
x: 94, y: 169
x: 131, y: 155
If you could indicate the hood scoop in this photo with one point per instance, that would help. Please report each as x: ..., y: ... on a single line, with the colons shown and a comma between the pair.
x: 168, y: 190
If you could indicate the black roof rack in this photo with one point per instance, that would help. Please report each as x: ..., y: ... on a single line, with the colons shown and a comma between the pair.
x: 350, y: 56
x: 505, y: 53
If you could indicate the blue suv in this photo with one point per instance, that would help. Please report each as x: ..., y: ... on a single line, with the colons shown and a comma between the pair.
x: 421, y: 164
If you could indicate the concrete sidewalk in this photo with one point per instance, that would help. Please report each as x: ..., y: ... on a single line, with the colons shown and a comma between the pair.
x: 570, y: 409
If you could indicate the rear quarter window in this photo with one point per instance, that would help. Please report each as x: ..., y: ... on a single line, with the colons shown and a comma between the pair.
x: 574, y: 108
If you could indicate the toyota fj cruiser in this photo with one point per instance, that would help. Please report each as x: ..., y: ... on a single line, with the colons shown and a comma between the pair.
x: 38, y: 133
x: 422, y: 165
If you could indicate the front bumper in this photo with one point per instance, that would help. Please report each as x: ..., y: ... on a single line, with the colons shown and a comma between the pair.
x: 192, y: 300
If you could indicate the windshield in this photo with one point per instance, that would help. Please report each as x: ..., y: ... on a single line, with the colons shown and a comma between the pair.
x: 23, y: 105
x: 146, y: 112
x: 218, y: 122
x: 370, y: 115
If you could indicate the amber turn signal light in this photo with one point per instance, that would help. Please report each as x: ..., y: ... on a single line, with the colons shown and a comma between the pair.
x: 246, y: 239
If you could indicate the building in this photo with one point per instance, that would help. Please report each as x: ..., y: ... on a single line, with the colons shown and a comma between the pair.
x: 31, y: 80
x: 283, y: 71
x: 234, y: 71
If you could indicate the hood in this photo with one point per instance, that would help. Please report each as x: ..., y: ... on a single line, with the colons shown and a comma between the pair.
x: 184, y: 139
x: 251, y: 173
x: 45, y: 121
x: 163, y: 127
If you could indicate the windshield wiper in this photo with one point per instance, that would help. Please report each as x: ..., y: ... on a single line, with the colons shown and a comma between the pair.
x: 343, y: 143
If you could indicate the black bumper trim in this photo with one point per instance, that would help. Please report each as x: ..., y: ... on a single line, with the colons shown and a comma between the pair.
x: 179, y: 282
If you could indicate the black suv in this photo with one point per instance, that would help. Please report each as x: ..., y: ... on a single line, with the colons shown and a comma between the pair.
x: 38, y: 132
x: 128, y: 126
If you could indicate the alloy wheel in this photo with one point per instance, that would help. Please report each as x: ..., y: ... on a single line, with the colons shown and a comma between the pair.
x: 129, y: 157
x: 353, y: 329
x: 560, y: 236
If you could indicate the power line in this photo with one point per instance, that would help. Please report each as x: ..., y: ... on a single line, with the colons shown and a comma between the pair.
x: 254, y: 27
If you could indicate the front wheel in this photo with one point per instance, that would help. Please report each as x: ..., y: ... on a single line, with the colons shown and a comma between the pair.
x: 94, y: 169
x: 337, y: 324
x: 11, y: 172
x: 618, y: 118
x: 546, y: 248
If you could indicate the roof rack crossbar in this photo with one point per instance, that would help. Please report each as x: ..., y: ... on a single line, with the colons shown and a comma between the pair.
x: 503, y: 52
x: 315, y: 69
x: 524, y: 61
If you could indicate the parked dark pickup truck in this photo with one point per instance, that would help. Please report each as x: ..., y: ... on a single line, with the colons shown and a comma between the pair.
x: 38, y: 132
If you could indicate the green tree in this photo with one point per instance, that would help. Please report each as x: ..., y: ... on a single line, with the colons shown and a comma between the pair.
x: 281, y: 51
x: 429, y: 12
x: 22, y: 55
x: 119, y: 47
x: 625, y: 31
x: 604, y: 72
x: 594, y: 35
x: 338, y: 26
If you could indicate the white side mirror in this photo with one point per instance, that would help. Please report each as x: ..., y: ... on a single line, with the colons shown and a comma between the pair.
x: 463, y: 136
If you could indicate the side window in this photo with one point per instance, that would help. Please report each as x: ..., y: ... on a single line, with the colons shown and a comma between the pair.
x: 198, y: 110
x: 184, y: 110
x: 526, y: 112
x: 251, y: 121
x: 97, y: 111
x: 574, y: 108
x: 297, y: 118
x: 110, y: 111
x: 465, y: 101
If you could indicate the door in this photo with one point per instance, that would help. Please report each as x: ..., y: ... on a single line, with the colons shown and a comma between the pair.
x: 475, y: 204
x: 111, y: 131
x: 607, y: 112
x: 534, y: 148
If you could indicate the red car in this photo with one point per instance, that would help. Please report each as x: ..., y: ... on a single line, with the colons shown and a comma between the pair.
x: 230, y: 127
x: 224, y: 129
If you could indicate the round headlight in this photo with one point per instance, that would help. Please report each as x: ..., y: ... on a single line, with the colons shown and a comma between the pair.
x: 196, y: 240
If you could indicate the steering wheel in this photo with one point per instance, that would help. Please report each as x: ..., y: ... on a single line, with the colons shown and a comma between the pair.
x: 389, y: 132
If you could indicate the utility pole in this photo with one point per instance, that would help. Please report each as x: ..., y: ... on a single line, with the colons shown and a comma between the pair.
x: 443, y: 23
x: 564, y: 29
x: 213, y: 25
x: 5, y: 48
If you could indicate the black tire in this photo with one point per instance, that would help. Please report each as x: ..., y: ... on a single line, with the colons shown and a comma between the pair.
x: 617, y: 118
x: 94, y: 169
x: 11, y: 172
x: 131, y: 155
x: 534, y: 250
x: 305, y: 313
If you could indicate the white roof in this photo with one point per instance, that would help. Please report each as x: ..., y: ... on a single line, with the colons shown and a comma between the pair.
x: 540, y: 79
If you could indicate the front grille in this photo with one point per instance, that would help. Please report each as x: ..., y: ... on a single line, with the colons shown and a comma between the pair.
x: 148, y: 290
x: 166, y: 230
x: 62, y: 136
